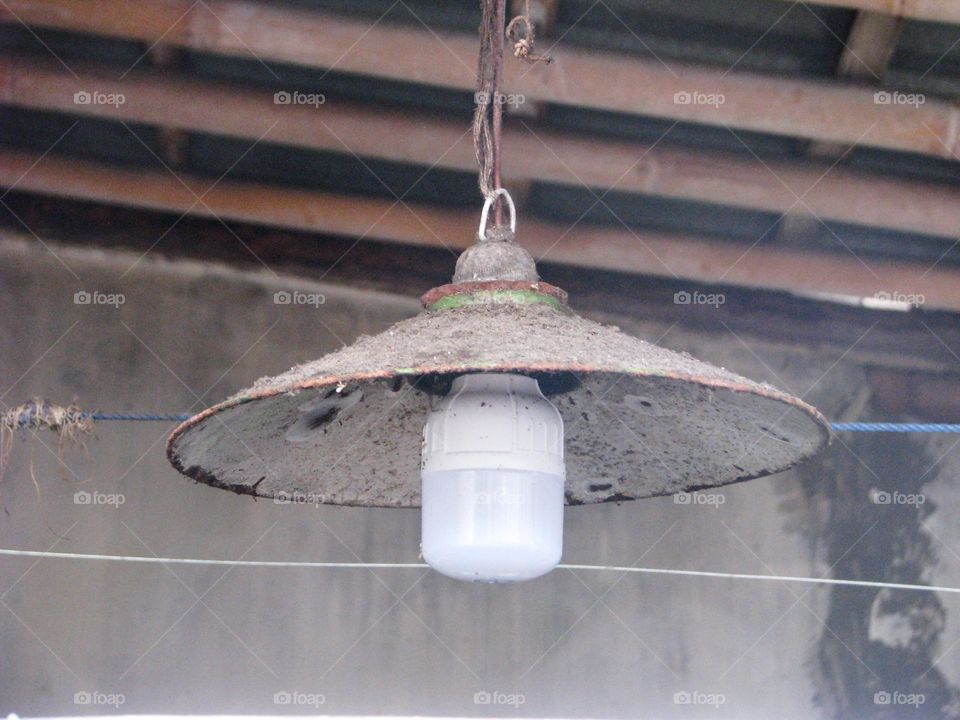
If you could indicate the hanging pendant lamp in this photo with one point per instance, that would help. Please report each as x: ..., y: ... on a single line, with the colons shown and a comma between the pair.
x: 495, y: 406
x: 503, y: 404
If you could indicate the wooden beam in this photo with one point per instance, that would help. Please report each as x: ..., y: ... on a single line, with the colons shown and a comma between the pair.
x: 647, y: 253
x: 869, y: 46
x: 642, y: 305
x: 833, y: 112
x: 866, y: 54
x: 946, y: 11
x: 529, y: 153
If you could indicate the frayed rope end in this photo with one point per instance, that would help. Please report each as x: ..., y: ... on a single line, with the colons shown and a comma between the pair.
x: 69, y: 423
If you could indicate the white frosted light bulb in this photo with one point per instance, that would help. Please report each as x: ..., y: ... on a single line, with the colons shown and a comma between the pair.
x: 493, y: 480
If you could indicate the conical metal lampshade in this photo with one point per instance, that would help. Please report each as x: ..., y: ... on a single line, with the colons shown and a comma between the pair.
x: 639, y: 420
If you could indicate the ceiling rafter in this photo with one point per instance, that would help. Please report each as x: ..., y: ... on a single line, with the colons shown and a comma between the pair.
x: 828, y: 111
x: 643, y: 252
x: 838, y: 194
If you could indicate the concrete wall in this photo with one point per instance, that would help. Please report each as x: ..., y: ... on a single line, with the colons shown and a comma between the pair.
x: 587, y: 644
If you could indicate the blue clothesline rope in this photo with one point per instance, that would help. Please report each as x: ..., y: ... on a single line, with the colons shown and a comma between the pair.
x: 884, y: 427
x: 174, y: 417
x: 895, y: 427
x: 28, y: 416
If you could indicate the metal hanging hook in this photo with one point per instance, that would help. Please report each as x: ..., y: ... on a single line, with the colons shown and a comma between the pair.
x: 482, y: 232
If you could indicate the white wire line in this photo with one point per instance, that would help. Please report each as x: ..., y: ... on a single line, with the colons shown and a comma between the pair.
x: 205, y: 561
x: 407, y: 566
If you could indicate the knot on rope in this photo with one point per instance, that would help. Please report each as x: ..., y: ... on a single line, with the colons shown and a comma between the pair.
x: 523, y: 44
x: 488, y: 114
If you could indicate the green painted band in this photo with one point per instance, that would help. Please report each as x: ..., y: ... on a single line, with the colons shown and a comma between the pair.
x: 496, y: 297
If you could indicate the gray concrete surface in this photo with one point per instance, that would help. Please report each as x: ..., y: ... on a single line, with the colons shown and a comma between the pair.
x: 585, y: 644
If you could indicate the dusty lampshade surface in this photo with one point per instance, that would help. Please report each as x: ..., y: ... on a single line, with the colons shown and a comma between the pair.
x: 640, y: 420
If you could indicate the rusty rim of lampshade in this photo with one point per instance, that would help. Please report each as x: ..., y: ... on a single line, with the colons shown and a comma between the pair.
x: 640, y: 420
